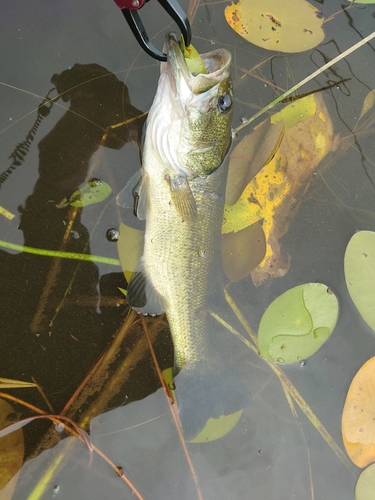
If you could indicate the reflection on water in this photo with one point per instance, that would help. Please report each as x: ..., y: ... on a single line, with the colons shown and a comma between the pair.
x: 60, y: 316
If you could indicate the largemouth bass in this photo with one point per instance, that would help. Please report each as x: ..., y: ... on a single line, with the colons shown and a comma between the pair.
x: 181, y: 195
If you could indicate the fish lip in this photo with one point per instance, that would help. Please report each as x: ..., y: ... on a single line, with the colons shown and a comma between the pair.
x: 217, y: 63
x: 176, y: 59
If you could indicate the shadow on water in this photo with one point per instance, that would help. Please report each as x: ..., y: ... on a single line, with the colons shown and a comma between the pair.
x: 57, y: 315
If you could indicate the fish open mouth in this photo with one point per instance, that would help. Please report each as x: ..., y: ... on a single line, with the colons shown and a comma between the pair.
x: 217, y: 63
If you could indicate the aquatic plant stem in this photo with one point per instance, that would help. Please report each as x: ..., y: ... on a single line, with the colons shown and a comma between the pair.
x: 306, y: 80
x: 172, y: 409
x: 61, y: 255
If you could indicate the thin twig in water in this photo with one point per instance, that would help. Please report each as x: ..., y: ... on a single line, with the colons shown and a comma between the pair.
x: 306, y: 80
x: 174, y: 414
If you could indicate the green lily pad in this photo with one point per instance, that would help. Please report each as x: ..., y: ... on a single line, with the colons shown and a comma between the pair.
x: 365, y: 487
x: 92, y: 192
x: 359, y: 267
x: 296, y: 324
x: 216, y: 428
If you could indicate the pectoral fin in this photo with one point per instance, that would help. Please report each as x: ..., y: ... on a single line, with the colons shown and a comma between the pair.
x: 142, y: 296
x: 135, y: 194
x: 183, y: 198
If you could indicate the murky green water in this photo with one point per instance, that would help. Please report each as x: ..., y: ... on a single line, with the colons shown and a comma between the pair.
x: 59, y: 316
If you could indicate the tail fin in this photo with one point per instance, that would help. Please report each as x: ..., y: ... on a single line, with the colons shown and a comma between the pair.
x: 204, y: 391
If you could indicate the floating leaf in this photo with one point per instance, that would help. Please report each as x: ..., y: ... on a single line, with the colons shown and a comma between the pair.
x: 216, y: 428
x: 365, y: 488
x: 358, y: 422
x: 272, y: 26
x: 296, y: 324
x: 368, y: 102
x: 92, y: 192
x: 11, y: 446
x: 270, y: 196
x: 243, y: 251
x: 359, y: 267
x: 250, y: 155
x: 130, y: 249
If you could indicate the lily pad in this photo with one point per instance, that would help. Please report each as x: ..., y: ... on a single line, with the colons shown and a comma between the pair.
x: 359, y: 267
x: 92, y: 192
x: 358, y: 423
x: 242, y: 251
x: 130, y: 249
x: 273, y: 25
x: 11, y: 446
x: 216, y: 428
x: 365, y: 488
x: 296, y: 324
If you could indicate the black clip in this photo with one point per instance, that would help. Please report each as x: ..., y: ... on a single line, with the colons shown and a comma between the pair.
x: 173, y: 8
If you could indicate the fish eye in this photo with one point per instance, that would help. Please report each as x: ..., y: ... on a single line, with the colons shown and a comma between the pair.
x: 224, y: 103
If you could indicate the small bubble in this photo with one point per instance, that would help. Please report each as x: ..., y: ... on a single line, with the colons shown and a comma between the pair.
x: 280, y: 360
x: 96, y: 182
x: 243, y: 119
x: 202, y: 253
x: 112, y: 234
x: 56, y: 488
x: 75, y: 234
x: 302, y: 362
x: 59, y: 427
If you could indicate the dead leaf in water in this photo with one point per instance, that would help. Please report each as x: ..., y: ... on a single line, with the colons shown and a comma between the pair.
x: 368, y: 103
x: 274, y: 25
x: 271, y: 194
x: 11, y: 447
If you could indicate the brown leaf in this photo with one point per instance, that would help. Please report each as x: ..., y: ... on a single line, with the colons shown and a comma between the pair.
x: 11, y: 447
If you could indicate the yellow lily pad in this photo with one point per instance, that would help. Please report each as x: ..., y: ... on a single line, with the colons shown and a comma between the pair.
x: 130, y: 249
x: 358, y: 424
x: 294, y: 26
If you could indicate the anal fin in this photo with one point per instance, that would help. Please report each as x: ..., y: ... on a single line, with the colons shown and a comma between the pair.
x: 142, y: 296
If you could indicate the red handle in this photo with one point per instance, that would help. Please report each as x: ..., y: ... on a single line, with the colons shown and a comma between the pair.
x: 130, y: 4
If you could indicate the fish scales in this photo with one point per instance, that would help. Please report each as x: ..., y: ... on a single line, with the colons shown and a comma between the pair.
x: 186, y: 259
